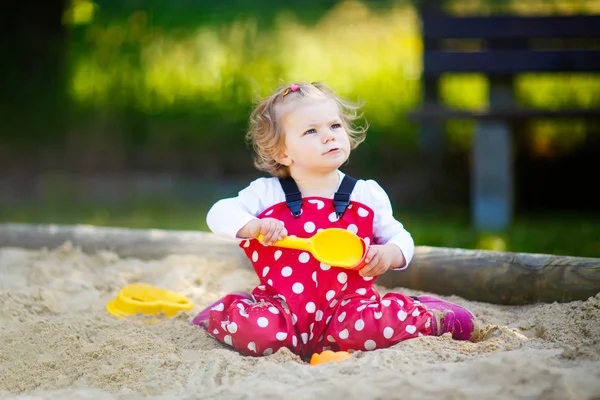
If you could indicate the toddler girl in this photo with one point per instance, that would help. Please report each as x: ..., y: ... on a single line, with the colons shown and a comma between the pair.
x: 302, y: 134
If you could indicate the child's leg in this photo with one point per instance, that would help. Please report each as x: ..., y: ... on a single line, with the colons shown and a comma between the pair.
x: 365, y: 324
x: 253, y: 328
x: 450, y: 317
x: 202, y: 318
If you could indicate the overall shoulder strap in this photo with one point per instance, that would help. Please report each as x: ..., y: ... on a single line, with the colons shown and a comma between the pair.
x: 293, y: 197
x: 341, y: 199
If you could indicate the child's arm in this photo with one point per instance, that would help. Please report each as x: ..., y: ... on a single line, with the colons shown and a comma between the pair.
x: 235, y: 217
x: 388, y: 231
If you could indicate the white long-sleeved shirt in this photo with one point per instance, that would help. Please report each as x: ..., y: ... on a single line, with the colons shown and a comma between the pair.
x: 227, y: 216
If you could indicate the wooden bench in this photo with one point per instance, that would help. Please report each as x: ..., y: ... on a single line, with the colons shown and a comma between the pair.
x: 500, y: 47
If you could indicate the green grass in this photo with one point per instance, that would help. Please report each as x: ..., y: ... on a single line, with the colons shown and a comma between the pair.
x: 574, y: 235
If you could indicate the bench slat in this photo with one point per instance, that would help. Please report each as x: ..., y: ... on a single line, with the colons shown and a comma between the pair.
x: 444, y: 113
x: 508, y: 62
x: 441, y: 26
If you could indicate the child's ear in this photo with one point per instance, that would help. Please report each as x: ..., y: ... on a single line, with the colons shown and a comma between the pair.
x: 283, y: 159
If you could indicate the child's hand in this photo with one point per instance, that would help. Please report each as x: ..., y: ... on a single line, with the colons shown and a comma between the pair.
x: 272, y: 229
x: 380, y: 258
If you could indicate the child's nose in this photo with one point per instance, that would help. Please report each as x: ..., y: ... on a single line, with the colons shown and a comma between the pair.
x: 328, y: 136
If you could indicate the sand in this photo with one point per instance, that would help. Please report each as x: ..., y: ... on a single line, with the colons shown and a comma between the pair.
x: 57, y: 341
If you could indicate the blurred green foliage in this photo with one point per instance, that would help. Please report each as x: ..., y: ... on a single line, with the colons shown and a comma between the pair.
x: 181, y: 72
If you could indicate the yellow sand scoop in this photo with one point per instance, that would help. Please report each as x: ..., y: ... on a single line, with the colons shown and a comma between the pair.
x: 141, y: 298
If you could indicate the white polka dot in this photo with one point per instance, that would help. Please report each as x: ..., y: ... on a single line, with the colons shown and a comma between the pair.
x: 309, y: 227
x: 227, y: 339
x: 368, y: 278
x: 218, y: 307
x: 344, y: 302
x: 377, y: 315
x: 314, y: 276
x: 428, y: 323
x: 411, y: 329
x: 304, y: 337
x: 265, y: 271
x: 367, y: 241
x: 345, y: 287
x: 352, y: 228
x: 342, y: 277
x: 304, y: 257
x: 243, y: 313
x: 246, y: 243
x: 232, y: 327
x: 325, y: 267
x: 361, y: 291
x: 319, y: 315
x: 270, y: 282
x: 333, y: 303
x: 274, y: 310
x: 373, y: 306
x: 294, y: 319
x: 269, y: 212
x: 268, y: 352
x: 262, y: 287
x: 388, y: 332
x: 329, y: 295
x: 255, y: 256
x: 286, y: 271
x: 252, y: 346
x: 362, y: 212
x: 402, y: 315
x: 359, y: 325
x: 344, y: 334
x: 294, y: 341
x: 310, y: 307
x: 297, y: 288
x: 262, y: 322
x: 415, y: 313
x: 312, y: 335
x: 420, y: 334
x: 370, y: 345
x: 333, y: 217
x: 216, y: 332
x: 328, y: 319
x: 277, y: 254
x: 360, y: 308
x: 386, y: 303
x: 374, y: 297
x: 319, y: 203
x: 400, y: 302
x: 281, y: 336
x: 330, y: 339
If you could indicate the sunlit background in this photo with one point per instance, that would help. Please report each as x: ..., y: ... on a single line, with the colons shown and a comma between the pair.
x: 132, y: 113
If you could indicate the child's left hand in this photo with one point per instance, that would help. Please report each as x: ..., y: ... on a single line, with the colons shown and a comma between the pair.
x: 380, y: 258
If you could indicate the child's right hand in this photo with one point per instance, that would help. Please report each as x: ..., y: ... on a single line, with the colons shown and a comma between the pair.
x: 272, y: 229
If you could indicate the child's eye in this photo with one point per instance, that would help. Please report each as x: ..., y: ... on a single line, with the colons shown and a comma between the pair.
x: 336, y: 126
x: 310, y: 131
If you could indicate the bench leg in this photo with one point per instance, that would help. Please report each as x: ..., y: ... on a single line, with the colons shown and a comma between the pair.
x: 492, y: 176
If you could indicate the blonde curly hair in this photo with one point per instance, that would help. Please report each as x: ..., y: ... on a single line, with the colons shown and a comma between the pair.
x: 265, y: 132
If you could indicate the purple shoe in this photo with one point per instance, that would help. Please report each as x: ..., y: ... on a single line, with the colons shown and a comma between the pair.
x: 201, y: 319
x: 450, y: 317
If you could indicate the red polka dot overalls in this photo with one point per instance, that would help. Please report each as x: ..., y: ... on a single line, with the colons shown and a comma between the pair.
x: 308, y: 306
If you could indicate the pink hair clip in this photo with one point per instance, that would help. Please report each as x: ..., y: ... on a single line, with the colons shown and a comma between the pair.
x: 293, y: 88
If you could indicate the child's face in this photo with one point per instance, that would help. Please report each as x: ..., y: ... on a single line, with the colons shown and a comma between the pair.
x: 315, y: 139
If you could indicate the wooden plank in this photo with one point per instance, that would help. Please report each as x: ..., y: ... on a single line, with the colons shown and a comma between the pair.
x: 499, y: 277
x: 507, y: 62
x: 440, y: 113
x: 441, y: 26
x: 494, y: 277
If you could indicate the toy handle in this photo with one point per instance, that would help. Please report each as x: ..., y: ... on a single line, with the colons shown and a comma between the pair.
x: 291, y: 242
